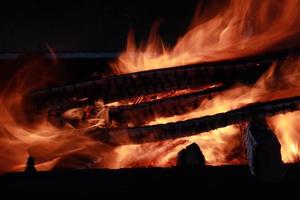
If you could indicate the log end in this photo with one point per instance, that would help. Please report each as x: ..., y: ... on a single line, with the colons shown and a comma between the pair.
x: 263, y: 151
x: 191, y: 156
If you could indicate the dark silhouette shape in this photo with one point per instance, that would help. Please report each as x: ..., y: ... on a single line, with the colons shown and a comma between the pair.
x: 263, y: 151
x: 191, y: 156
x: 30, y: 168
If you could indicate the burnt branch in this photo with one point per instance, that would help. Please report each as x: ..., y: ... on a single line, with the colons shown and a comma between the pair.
x: 144, y: 134
x: 263, y: 151
x: 142, y: 113
x: 118, y: 87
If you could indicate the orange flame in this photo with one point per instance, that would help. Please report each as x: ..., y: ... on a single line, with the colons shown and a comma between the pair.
x: 242, y: 28
x: 225, y: 145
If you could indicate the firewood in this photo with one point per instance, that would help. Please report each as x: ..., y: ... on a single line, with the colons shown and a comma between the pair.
x: 55, y: 113
x: 191, y: 156
x: 118, y: 87
x: 142, y: 113
x: 144, y: 134
x: 263, y: 151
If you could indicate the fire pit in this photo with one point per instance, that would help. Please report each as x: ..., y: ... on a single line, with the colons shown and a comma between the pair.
x: 227, y: 93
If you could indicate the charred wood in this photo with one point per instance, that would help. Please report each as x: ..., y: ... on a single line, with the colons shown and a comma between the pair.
x: 126, y: 86
x: 142, y: 113
x: 144, y: 134
x: 55, y: 113
x: 61, y: 107
x: 263, y: 151
x: 191, y: 156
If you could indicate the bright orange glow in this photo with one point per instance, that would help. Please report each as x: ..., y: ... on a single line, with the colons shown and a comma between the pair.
x: 225, y: 145
x: 243, y: 28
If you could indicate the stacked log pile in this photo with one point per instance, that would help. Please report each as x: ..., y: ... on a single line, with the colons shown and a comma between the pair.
x: 131, y: 120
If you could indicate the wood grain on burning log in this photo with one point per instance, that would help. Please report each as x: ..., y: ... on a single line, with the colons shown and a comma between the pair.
x: 126, y: 86
x: 144, y: 134
x: 143, y: 113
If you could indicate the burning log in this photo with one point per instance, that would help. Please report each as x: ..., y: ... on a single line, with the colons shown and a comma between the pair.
x: 142, y: 113
x: 55, y: 115
x: 126, y: 86
x: 144, y: 134
x: 263, y: 150
x: 63, y: 106
x: 191, y: 156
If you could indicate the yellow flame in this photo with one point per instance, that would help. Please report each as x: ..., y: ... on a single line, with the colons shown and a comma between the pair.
x: 240, y: 29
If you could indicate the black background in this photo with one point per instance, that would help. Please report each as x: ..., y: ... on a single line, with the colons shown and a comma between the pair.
x: 92, y: 25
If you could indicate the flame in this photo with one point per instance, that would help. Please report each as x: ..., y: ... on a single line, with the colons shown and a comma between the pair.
x: 21, y: 135
x: 240, y: 29
x: 226, y: 145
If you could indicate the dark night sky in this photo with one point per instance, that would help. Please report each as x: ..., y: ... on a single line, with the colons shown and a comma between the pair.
x: 92, y: 25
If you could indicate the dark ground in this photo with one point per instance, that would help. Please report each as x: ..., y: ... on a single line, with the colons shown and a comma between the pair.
x: 227, y: 182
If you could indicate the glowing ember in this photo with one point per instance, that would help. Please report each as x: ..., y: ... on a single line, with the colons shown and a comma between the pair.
x: 242, y: 28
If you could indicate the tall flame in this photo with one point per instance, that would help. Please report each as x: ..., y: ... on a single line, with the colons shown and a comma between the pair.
x: 240, y: 29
